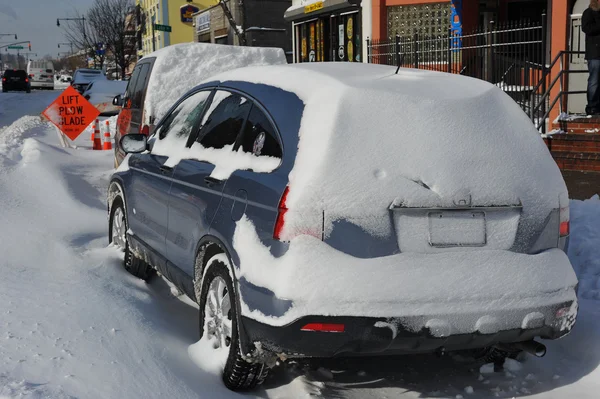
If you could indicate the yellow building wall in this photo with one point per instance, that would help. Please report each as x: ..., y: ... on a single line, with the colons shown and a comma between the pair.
x: 184, y: 32
x: 168, y: 9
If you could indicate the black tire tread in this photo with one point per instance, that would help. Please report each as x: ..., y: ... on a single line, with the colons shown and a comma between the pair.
x: 134, y: 265
x: 238, y: 374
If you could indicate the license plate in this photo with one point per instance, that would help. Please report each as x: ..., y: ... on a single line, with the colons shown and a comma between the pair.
x: 457, y: 229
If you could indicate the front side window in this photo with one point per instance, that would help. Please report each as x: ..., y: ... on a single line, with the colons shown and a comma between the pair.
x: 138, y: 92
x: 131, y: 85
x: 176, y: 128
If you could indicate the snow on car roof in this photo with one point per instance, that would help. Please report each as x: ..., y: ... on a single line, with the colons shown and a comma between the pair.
x: 181, y: 67
x: 370, y: 137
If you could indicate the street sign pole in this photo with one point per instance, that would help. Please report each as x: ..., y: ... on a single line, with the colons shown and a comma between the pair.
x: 153, y: 37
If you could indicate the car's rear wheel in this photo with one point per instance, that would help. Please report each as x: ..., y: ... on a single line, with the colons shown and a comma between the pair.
x: 118, y: 236
x: 219, y: 324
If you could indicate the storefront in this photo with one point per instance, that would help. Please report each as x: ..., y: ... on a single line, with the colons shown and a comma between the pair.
x: 328, y: 30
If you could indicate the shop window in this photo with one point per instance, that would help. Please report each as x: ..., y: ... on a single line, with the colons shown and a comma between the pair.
x: 329, y: 38
x: 430, y: 21
x: 425, y: 19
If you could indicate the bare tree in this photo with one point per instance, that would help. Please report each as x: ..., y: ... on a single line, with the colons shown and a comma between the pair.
x: 84, y: 36
x: 114, y: 21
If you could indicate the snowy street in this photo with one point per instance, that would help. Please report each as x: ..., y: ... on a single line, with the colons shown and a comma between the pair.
x: 75, y: 324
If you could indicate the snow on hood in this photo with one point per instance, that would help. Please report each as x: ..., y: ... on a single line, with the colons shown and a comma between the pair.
x: 370, y: 138
x: 180, y: 67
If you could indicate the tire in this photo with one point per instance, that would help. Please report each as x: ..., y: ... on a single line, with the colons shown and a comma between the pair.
x: 238, y: 374
x: 117, y: 234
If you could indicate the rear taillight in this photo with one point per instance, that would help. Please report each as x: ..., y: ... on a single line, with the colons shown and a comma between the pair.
x: 564, y: 221
x: 281, y: 211
x: 26, y: 80
x: 4, y: 79
x: 324, y: 327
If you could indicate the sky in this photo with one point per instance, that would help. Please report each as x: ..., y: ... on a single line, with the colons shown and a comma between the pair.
x: 35, y: 20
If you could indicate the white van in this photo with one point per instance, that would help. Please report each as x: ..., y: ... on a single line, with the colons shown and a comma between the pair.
x: 41, y: 74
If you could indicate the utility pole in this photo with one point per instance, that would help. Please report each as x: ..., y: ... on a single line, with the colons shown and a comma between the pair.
x: 153, y: 37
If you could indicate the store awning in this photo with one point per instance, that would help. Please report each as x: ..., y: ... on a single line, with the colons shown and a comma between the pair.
x: 318, y: 7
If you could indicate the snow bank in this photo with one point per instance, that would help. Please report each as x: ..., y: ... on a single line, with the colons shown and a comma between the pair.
x: 181, y: 67
x: 583, y: 246
x: 370, y: 137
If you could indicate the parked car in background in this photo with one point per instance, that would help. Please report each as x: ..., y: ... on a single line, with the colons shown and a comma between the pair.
x: 308, y: 217
x: 101, y: 93
x: 41, y: 74
x: 83, y: 77
x: 15, y: 80
x: 157, y: 82
x: 64, y: 78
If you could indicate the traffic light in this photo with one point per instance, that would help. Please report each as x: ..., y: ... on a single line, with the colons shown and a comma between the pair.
x: 29, y: 46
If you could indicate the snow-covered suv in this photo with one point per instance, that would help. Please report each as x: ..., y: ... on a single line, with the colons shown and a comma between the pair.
x: 337, y: 209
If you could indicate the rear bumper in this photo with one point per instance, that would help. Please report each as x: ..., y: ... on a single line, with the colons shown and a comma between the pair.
x: 43, y: 84
x: 385, y: 336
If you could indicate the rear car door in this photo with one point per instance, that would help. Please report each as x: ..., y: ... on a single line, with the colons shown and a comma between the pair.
x: 195, y: 195
x: 249, y: 192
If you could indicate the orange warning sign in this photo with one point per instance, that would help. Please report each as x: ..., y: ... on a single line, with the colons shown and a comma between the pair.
x: 71, y: 113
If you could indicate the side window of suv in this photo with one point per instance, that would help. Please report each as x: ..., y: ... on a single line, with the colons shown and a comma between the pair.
x: 140, y: 85
x: 224, y: 119
x: 259, y: 137
x: 131, y: 85
x: 180, y: 123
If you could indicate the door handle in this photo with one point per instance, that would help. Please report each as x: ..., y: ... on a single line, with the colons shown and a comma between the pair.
x: 211, y: 181
x: 165, y: 169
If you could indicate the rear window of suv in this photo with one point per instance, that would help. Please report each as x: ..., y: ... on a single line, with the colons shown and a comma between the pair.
x: 20, y: 73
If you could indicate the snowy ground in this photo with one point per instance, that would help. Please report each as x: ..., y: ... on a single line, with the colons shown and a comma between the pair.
x: 75, y: 324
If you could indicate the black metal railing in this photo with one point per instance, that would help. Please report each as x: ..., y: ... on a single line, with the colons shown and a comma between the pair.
x: 510, y: 55
x: 554, y: 74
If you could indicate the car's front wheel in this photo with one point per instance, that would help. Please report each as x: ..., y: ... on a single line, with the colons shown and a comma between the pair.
x: 117, y: 236
x: 218, y: 323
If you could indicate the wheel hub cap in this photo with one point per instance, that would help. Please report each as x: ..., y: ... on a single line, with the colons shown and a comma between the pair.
x: 118, y: 228
x: 217, y: 313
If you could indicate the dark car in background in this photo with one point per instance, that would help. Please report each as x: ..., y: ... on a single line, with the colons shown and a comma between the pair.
x: 15, y: 80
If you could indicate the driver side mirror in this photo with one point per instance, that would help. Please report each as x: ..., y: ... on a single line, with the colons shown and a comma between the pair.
x: 118, y: 100
x: 134, y: 143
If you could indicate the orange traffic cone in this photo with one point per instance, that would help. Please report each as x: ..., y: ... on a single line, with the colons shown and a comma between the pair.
x: 97, y: 138
x: 107, y: 145
x: 92, y: 134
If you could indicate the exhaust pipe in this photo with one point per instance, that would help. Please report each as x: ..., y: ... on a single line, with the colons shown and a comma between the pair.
x: 532, y: 347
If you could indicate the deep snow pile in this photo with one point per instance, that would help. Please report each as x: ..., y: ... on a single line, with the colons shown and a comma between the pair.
x: 177, y: 69
x: 583, y: 246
